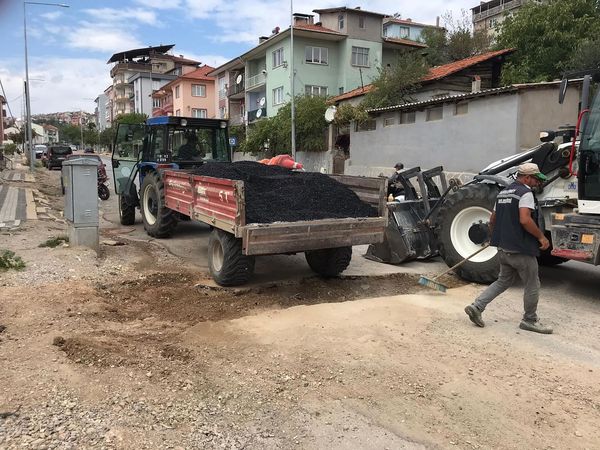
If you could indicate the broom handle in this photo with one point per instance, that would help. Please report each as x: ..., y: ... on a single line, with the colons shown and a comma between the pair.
x: 461, y: 262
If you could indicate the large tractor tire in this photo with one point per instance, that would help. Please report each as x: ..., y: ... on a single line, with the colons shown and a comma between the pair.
x: 329, y: 262
x: 127, y: 204
x: 463, y: 229
x: 226, y: 263
x: 159, y: 221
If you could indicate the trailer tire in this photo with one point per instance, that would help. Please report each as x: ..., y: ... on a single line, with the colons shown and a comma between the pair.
x: 159, y: 221
x: 226, y: 263
x: 329, y: 262
x: 461, y: 232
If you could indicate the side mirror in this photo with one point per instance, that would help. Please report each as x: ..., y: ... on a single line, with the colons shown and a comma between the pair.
x: 562, y: 90
x: 547, y: 136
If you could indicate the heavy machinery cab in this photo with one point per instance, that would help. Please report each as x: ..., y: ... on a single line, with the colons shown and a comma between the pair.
x: 166, y: 142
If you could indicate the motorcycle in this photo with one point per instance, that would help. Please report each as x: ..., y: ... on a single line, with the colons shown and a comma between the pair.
x: 103, y: 191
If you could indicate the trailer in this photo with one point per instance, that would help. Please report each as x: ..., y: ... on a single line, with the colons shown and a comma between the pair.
x: 170, y: 191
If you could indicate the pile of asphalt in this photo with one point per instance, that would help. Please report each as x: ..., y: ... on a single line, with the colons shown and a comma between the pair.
x: 276, y: 194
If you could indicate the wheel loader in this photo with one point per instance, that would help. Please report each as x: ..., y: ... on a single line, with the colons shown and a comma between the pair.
x: 446, y: 218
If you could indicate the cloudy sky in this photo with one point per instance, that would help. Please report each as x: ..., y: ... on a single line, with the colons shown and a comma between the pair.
x: 68, y: 47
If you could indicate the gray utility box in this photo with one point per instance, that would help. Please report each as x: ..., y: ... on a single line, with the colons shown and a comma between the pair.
x: 80, y: 180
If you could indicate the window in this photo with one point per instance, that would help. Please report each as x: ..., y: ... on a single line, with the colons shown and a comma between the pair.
x: 178, y: 112
x: 461, y: 108
x: 341, y: 90
x: 177, y: 92
x: 156, y: 102
x: 361, y: 22
x: 435, y: 113
x: 368, y: 125
x: 404, y: 32
x: 316, y: 55
x: 360, y: 56
x: 493, y: 22
x: 278, y: 57
x: 389, y: 121
x: 407, y: 117
x: 221, y: 112
x: 198, y: 90
x: 278, y: 95
x: 200, y: 113
x: 314, y: 91
x: 341, y: 22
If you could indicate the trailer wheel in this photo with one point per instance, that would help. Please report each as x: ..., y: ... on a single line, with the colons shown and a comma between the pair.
x: 329, y: 262
x: 159, y: 221
x: 227, y: 264
x: 462, y: 230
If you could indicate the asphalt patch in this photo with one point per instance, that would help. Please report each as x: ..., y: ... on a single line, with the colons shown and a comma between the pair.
x: 276, y: 194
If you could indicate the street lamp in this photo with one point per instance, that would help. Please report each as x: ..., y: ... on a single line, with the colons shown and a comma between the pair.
x: 27, y: 86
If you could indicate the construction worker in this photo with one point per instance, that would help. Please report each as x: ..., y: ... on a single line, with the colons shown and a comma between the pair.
x: 394, y: 187
x: 519, y: 240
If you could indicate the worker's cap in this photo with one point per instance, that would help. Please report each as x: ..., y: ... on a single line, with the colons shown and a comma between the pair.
x: 399, y: 166
x: 531, y: 169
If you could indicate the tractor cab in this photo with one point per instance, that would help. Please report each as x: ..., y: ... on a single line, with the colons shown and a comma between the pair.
x: 166, y: 142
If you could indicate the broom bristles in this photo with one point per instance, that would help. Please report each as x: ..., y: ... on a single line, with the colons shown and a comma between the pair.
x: 427, y: 282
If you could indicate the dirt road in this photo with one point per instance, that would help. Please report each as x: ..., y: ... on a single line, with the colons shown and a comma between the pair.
x: 134, y: 349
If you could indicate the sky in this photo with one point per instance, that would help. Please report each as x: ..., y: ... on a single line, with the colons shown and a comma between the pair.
x: 68, y: 47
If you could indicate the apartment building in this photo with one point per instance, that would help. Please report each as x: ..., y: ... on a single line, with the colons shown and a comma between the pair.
x: 139, y: 72
x: 192, y: 94
x: 340, y: 52
x: 488, y: 16
x: 406, y: 28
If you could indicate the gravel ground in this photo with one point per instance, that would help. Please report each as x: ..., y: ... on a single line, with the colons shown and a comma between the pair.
x: 133, y: 349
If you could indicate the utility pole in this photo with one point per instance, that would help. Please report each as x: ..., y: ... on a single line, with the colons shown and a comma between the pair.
x: 292, y: 76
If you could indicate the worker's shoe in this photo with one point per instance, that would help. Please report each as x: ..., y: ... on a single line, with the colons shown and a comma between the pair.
x: 536, y: 327
x: 475, y: 315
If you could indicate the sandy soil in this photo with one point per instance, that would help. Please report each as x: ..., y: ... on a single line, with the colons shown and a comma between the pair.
x: 134, y: 349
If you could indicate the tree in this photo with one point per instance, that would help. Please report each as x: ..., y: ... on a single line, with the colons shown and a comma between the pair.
x: 395, y: 84
x: 132, y: 118
x: 272, y: 135
x: 455, y: 42
x: 106, y: 137
x: 544, y: 35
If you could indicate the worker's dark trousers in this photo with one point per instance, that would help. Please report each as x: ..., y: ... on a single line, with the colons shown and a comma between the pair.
x: 513, y: 265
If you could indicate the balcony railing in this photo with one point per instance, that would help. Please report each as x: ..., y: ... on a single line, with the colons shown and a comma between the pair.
x: 133, y: 67
x: 236, y: 89
x: 498, y: 9
x: 256, y: 114
x: 255, y: 80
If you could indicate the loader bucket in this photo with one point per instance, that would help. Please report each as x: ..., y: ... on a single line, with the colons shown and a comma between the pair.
x: 406, y: 238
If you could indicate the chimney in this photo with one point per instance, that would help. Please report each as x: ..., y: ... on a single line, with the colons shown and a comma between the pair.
x: 262, y: 39
x: 437, y: 21
x: 476, y: 84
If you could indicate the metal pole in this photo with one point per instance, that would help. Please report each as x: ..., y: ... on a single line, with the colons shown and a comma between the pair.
x: 27, y: 101
x: 27, y: 86
x: 292, y: 76
x: 81, y: 126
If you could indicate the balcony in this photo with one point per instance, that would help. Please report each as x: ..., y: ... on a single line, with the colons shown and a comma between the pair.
x: 256, y: 114
x: 255, y: 81
x: 130, y: 66
x: 236, y: 91
x: 506, y: 6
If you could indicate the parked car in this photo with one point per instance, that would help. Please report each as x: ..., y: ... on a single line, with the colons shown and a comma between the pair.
x: 57, y: 154
x: 39, y: 150
x: 88, y: 150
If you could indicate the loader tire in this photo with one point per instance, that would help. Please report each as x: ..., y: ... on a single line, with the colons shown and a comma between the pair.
x: 159, y: 221
x: 329, y: 262
x: 226, y: 263
x: 462, y: 230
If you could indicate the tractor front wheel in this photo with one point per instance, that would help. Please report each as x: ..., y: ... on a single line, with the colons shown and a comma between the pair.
x: 159, y: 221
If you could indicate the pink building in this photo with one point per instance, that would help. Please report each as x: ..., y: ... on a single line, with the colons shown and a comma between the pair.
x: 190, y: 95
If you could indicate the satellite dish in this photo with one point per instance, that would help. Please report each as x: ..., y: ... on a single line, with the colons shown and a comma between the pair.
x: 330, y: 113
x: 258, y: 113
x: 262, y: 101
x: 239, y: 79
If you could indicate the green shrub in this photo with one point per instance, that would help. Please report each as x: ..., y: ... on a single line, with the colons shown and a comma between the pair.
x: 54, y: 241
x: 8, y: 260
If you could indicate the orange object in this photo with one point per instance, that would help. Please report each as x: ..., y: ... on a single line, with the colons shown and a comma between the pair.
x: 282, y: 161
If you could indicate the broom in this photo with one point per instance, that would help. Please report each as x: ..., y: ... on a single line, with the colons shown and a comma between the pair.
x: 434, y: 284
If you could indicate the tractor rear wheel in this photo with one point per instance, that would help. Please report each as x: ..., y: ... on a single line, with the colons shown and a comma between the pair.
x: 463, y: 229
x: 159, y: 221
x: 329, y: 262
x: 226, y: 263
